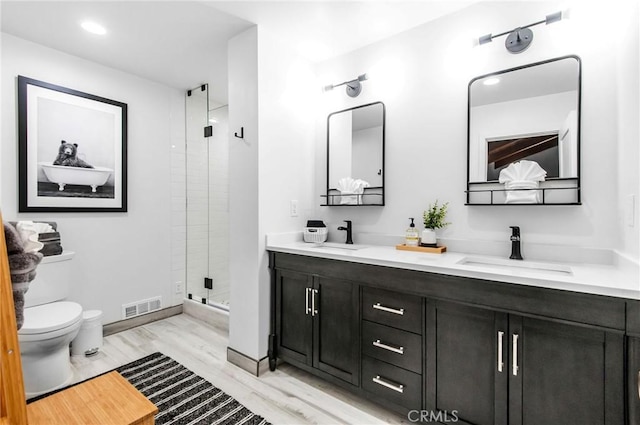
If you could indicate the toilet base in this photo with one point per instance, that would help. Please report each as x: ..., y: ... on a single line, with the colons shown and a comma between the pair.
x: 46, y: 372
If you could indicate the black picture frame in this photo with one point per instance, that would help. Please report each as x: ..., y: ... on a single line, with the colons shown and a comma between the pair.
x: 91, y: 175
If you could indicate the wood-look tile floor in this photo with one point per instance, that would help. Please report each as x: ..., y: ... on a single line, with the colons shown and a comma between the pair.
x: 286, y: 396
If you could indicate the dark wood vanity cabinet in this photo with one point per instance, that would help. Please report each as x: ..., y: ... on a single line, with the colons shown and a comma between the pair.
x: 479, y: 351
x: 462, y: 362
x: 317, y: 323
x: 633, y: 382
x: 633, y: 356
x: 497, y: 368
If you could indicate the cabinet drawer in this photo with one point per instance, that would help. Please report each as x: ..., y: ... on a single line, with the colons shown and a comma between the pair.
x: 390, y: 308
x: 393, y: 346
x: 395, y: 384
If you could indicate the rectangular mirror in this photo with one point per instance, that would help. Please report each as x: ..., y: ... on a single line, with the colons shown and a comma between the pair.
x: 355, y: 156
x: 524, y: 135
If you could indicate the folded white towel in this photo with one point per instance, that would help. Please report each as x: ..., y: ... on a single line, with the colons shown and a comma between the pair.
x: 351, y: 190
x: 29, y: 232
x: 522, y: 175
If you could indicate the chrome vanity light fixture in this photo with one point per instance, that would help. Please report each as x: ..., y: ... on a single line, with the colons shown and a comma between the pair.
x: 353, y: 86
x: 520, y: 38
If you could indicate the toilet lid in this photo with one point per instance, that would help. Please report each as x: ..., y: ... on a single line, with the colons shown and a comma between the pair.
x: 50, y: 317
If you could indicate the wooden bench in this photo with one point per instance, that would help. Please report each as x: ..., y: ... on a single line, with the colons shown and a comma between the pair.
x: 107, y: 399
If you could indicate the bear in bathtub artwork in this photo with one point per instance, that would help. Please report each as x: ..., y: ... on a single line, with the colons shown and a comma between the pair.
x: 70, y: 176
x: 68, y: 156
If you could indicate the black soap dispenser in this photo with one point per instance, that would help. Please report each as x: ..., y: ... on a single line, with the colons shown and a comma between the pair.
x: 515, y: 243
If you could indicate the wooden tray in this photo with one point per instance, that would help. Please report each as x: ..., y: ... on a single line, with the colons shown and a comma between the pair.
x: 436, y: 250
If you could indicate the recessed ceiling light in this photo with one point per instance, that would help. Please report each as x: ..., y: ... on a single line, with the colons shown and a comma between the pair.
x: 93, y: 28
x: 491, y: 81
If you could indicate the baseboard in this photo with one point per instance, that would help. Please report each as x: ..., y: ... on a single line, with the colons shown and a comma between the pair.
x: 212, y: 316
x: 254, y: 367
x: 123, y: 325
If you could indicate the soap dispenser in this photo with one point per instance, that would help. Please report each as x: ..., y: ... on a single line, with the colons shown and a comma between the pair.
x: 411, y: 236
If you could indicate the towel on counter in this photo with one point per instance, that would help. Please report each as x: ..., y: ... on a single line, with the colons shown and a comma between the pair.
x: 525, y: 175
x: 351, y: 190
x: 22, y: 267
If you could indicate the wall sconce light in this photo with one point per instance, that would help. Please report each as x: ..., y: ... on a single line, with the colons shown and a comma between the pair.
x: 520, y: 38
x: 353, y: 86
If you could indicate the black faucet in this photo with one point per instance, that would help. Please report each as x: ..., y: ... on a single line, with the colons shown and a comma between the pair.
x: 515, y: 243
x: 349, y: 233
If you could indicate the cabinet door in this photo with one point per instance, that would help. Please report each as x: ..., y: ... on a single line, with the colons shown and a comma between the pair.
x: 564, y: 374
x: 293, y: 316
x: 463, y: 371
x: 633, y: 380
x: 336, y: 337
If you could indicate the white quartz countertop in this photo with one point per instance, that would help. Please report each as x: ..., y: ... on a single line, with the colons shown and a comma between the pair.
x: 607, y: 280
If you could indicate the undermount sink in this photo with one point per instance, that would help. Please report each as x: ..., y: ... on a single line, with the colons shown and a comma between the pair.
x: 350, y: 247
x: 517, y: 265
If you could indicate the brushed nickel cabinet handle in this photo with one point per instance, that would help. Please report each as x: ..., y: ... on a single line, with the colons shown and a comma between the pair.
x: 307, y: 310
x: 398, y: 350
x: 314, y: 310
x: 515, y: 355
x: 500, y: 359
x: 379, y: 306
x: 392, y: 386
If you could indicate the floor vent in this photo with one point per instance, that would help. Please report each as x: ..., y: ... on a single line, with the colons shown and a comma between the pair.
x: 141, y: 307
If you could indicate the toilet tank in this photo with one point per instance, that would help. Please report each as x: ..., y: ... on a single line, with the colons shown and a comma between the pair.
x: 52, y: 281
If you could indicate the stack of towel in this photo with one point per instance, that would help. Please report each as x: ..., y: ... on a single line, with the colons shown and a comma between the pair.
x: 351, y: 190
x: 522, y: 175
x: 41, y: 235
x: 22, y: 267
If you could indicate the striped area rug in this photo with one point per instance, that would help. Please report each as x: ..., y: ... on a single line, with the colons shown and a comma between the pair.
x: 182, y: 397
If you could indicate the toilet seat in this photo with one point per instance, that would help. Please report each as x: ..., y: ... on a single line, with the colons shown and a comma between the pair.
x: 51, y: 317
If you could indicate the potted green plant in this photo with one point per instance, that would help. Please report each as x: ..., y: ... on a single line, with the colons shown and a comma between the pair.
x: 434, y: 218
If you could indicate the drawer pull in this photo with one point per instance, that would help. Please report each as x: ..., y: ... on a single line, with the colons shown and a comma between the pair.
x: 392, y: 386
x: 398, y: 350
x: 379, y: 306
x: 307, y: 310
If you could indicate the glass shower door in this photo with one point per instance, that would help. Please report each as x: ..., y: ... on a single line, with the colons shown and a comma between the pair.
x: 207, y: 247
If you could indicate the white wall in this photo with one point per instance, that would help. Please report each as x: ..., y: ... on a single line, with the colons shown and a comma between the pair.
x: 244, y: 257
x: 627, y: 60
x: 270, y: 167
x: 120, y: 257
x: 422, y: 77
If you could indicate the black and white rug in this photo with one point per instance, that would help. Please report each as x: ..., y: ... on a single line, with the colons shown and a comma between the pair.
x: 182, y: 397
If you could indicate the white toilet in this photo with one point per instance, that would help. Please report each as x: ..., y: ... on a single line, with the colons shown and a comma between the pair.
x: 50, y: 324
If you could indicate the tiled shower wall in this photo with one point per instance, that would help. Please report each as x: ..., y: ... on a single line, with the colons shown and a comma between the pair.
x: 178, y: 212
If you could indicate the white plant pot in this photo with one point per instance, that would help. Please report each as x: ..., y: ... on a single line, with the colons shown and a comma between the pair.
x: 428, y: 237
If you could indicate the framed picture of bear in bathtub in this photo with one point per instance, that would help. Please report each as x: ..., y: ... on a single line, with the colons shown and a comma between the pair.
x: 72, y: 150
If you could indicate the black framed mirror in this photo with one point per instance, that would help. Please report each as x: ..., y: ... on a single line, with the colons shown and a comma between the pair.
x: 523, y: 135
x: 355, y: 156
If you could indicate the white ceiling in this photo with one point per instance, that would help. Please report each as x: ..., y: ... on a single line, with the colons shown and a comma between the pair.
x: 183, y: 44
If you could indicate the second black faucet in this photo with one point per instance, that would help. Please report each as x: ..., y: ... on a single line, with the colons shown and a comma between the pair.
x: 515, y: 243
x: 349, y: 232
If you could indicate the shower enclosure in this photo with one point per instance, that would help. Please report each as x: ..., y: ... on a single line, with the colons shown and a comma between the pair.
x: 207, y: 194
